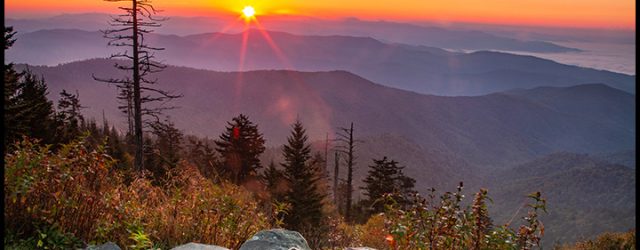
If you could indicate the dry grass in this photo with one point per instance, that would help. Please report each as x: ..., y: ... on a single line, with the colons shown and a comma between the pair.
x: 80, y: 193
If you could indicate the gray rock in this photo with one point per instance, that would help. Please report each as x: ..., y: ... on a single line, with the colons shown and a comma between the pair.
x: 276, y: 239
x: 198, y: 246
x: 106, y: 246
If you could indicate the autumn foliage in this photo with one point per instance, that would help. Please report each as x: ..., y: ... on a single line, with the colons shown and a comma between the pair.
x: 80, y: 195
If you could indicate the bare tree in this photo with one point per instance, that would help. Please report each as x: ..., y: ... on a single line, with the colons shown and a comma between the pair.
x: 129, y: 30
x: 347, y: 146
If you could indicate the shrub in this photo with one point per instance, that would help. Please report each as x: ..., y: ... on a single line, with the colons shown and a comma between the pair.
x: 63, y: 191
x: 78, y: 194
x: 444, y: 224
x: 374, y: 232
x: 608, y: 240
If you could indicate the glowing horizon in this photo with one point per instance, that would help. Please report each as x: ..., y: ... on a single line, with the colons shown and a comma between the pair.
x: 615, y: 14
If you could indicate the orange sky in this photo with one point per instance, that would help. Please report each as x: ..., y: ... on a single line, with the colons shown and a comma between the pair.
x: 572, y: 13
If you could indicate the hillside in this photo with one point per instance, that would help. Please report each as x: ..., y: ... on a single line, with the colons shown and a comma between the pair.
x: 415, y: 68
x: 440, y: 140
x: 585, y: 196
x: 488, y: 130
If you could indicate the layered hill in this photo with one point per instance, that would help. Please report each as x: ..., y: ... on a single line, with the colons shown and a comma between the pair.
x: 416, y: 68
x: 440, y: 140
x: 430, y: 35
x: 491, y: 130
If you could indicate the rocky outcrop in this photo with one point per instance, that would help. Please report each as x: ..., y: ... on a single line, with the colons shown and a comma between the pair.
x: 273, y: 239
x: 198, y: 246
x: 106, y: 246
x: 276, y: 239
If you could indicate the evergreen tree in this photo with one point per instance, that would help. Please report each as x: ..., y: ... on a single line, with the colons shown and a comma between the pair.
x: 386, y: 177
x: 168, y: 142
x: 165, y: 150
x: 27, y: 111
x: 69, y: 117
x: 11, y: 129
x: 304, y: 193
x: 273, y: 179
x: 240, y: 146
x: 199, y: 153
x: 39, y: 115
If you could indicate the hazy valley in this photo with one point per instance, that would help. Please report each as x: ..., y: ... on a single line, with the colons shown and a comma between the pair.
x: 439, y: 99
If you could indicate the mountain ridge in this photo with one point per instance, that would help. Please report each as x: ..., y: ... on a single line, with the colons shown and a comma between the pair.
x: 485, y: 141
x: 395, y: 31
x: 480, y: 127
x: 419, y: 69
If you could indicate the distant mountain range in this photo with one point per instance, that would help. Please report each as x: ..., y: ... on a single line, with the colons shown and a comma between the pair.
x: 490, y: 130
x: 505, y: 141
x: 416, y: 68
x: 392, y: 32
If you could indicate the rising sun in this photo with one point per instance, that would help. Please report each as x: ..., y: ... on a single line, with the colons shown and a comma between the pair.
x: 248, y: 12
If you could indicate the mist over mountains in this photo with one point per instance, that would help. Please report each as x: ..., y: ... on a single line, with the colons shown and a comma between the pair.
x: 416, y: 68
x: 392, y: 32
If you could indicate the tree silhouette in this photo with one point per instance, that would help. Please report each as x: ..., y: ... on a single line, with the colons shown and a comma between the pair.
x: 166, y: 148
x: 68, y: 117
x: 27, y: 111
x: 240, y: 146
x: 347, y: 145
x: 303, y: 176
x: 129, y: 32
x: 386, y: 177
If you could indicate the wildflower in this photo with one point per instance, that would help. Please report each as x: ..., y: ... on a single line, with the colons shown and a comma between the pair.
x: 392, y: 242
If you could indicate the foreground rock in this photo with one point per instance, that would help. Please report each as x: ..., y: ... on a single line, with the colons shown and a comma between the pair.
x: 106, y: 246
x: 198, y: 246
x: 276, y: 239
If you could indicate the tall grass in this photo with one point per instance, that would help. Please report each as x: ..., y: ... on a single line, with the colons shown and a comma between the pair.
x: 79, y: 193
x: 76, y: 196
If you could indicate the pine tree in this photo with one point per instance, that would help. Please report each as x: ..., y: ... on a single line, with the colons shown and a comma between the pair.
x: 273, y: 179
x: 386, y: 177
x: 304, y: 193
x: 203, y: 156
x: 69, y: 117
x: 11, y: 106
x: 27, y: 110
x: 240, y: 146
x: 166, y: 148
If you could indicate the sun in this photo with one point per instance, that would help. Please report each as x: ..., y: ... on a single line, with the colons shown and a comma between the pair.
x: 248, y: 12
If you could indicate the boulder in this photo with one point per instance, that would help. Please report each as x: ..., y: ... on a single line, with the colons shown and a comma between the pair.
x: 276, y: 239
x: 198, y: 246
x: 106, y: 246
